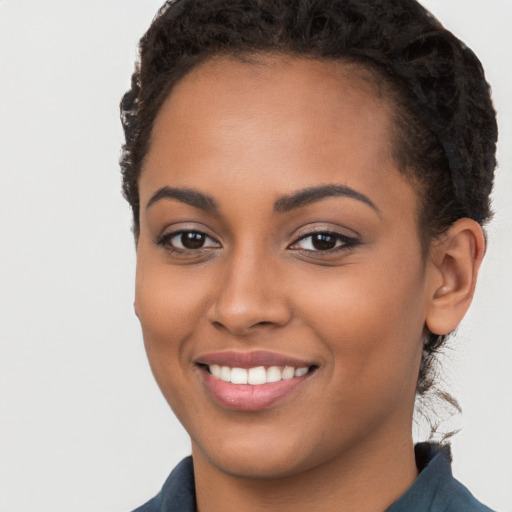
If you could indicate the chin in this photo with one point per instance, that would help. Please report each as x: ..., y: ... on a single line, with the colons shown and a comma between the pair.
x: 261, y: 456
x: 261, y: 465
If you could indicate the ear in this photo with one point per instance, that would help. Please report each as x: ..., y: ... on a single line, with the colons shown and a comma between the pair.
x: 456, y: 258
x: 135, y: 308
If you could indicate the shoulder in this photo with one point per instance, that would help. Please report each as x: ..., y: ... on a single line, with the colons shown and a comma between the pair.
x: 178, y: 491
x: 461, y: 500
x: 435, y: 489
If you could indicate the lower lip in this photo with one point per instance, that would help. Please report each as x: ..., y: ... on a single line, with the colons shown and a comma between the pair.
x: 247, y: 397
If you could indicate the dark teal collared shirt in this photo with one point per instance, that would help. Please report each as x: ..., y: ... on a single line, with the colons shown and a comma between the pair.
x: 435, y: 489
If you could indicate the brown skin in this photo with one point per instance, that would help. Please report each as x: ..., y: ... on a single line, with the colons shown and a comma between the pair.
x: 247, y: 134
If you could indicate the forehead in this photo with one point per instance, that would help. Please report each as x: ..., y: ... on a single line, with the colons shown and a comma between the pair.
x: 279, y: 83
x: 276, y: 120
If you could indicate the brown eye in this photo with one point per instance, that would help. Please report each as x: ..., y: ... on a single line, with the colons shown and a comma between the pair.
x: 323, y: 241
x: 192, y: 240
x: 187, y: 241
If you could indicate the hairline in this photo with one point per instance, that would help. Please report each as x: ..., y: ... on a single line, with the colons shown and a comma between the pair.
x: 387, y: 92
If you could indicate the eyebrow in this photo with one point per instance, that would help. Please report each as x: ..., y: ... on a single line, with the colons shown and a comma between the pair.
x: 284, y: 204
x: 310, y: 195
x: 187, y: 196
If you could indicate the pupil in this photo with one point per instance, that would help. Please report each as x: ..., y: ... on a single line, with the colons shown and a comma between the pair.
x: 324, y: 242
x: 192, y: 240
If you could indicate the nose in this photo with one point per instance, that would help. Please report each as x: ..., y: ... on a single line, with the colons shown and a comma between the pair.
x: 250, y: 295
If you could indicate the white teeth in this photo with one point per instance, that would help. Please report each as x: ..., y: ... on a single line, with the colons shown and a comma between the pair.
x: 288, y: 372
x: 216, y: 370
x: 256, y: 376
x: 274, y: 374
x: 239, y: 376
x: 225, y: 373
x: 299, y: 372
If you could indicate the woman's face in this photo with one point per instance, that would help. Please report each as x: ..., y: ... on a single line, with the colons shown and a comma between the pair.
x: 276, y: 231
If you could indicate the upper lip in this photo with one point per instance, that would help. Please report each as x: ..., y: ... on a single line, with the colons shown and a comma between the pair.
x: 252, y: 359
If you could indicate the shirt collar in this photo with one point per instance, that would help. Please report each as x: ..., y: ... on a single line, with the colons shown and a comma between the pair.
x: 429, y: 493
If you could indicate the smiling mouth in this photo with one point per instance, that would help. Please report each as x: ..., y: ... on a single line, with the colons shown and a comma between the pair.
x: 252, y: 381
x: 255, y: 388
x: 257, y: 375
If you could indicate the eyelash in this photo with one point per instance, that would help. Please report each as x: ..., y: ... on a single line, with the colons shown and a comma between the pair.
x: 166, y: 242
x: 342, y: 242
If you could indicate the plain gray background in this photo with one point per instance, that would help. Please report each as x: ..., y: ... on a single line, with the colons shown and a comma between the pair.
x: 82, y: 425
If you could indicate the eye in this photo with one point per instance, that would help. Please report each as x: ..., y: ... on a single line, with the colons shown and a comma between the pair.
x: 323, y: 241
x: 185, y: 241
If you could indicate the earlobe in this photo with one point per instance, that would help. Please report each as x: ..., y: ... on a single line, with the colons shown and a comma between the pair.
x: 135, y: 308
x: 457, y: 258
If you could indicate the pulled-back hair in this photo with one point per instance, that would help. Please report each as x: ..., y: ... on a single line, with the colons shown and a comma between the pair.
x: 445, y: 124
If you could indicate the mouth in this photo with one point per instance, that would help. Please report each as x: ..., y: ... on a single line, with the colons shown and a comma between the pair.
x: 258, y: 375
x: 252, y: 381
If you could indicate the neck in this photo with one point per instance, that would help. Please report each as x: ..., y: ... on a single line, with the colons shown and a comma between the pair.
x: 369, y: 480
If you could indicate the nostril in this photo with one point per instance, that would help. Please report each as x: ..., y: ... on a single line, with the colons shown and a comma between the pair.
x: 240, y: 313
x: 240, y: 329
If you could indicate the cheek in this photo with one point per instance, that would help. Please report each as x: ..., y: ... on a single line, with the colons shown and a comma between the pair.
x: 371, y: 322
x: 169, y: 308
x: 166, y: 301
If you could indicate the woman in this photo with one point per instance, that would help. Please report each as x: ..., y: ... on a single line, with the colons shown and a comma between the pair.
x: 309, y: 181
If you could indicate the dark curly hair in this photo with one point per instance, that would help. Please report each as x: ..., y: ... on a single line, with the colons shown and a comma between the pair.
x: 445, y: 123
